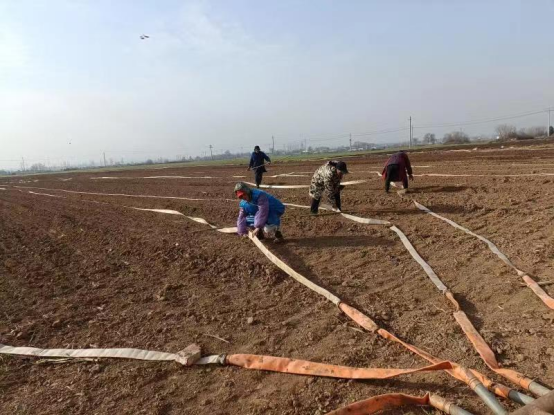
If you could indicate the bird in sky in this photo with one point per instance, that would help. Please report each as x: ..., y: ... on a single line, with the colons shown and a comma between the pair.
x: 143, y: 37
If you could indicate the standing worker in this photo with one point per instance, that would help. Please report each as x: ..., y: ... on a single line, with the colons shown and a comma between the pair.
x: 260, y: 210
x: 397, y: 169
x: 257, y: 164
x: 326, y: 180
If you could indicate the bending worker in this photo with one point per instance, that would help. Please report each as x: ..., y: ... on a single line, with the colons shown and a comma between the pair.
x: 257, y: 164
x: 326, y: 180
x: 397, y: 169
x: 259, y: 210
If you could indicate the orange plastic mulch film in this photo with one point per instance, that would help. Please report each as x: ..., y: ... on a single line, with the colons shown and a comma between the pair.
x: 475, y: 338
x: 309, y: 368
x: 534, y: 286
x: 486, y: 353
x: 456, y: 372
x: 380, y: 403
x: 361, y: 319
x: 367, y: 323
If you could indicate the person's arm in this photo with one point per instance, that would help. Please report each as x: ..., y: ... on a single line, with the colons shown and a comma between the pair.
x: 242, y: 229
x: 266, y: 158
x: 385, y: 167
x: 260, y: 219
x: 408, y: 166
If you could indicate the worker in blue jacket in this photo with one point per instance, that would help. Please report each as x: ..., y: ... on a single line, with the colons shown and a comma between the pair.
x: 260, y: 210
x: 257, y: 164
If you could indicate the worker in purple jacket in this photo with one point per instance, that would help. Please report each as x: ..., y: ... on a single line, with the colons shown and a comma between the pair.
x: 259, y: 210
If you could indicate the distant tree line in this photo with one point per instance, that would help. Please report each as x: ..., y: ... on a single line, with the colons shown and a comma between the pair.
x: 510, y: 132
x: 504, y: 132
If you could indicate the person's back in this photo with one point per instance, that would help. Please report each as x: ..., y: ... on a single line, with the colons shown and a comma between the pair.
x: 260, y: 210
x: 326, y: 181
x: 398, y: 158
x: 395, y: 169
x: 323, y: 176
x: 251, y: 208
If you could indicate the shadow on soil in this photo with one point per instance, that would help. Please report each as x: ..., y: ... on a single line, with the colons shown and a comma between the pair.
x: 470, y: 310
x: 296, y: 262
x: 431, y: 188
x: 448, y: 209
x: 339, y: 241
x: 401, y: 211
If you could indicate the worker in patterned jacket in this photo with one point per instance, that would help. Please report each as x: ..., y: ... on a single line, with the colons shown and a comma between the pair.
x: 259, y: 210
x: 326, y: 181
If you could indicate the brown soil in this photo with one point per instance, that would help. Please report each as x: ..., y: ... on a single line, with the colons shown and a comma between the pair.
x: 86, y: 271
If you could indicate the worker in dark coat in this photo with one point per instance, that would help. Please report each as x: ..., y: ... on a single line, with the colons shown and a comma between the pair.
x: 397, y: 169
x: 257, y: 164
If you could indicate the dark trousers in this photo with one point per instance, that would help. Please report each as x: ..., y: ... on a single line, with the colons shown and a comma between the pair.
x: 258, y: 176
x: 315, y: 203
x: 393, y: 175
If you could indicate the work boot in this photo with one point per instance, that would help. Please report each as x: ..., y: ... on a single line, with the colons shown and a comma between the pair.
x: 278, y: 237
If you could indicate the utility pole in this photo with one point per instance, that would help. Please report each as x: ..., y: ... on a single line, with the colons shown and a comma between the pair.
x: 23, y: 164
x: 211, y: 153
x: 411, y: 132
x: 548, y: 127
x: 104, y: 158
x: 273, y: 145
x: 350, y: 141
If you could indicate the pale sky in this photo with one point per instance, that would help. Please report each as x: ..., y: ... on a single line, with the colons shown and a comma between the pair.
x: 232, y: 73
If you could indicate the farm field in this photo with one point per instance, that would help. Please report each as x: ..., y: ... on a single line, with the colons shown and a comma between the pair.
x: 81, y: 268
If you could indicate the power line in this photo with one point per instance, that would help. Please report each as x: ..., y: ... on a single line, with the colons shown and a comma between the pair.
x: 377, y: 132
x: 325, y: 139
x: 412, y: 127
x: 482, y: 121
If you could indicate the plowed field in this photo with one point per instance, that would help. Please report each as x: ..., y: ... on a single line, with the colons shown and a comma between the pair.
x: 83, y: 269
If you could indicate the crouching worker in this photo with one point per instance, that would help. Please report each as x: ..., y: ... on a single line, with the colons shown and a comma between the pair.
x: 259, y: 210
x: 326, y: 181
x: 397, y: 169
